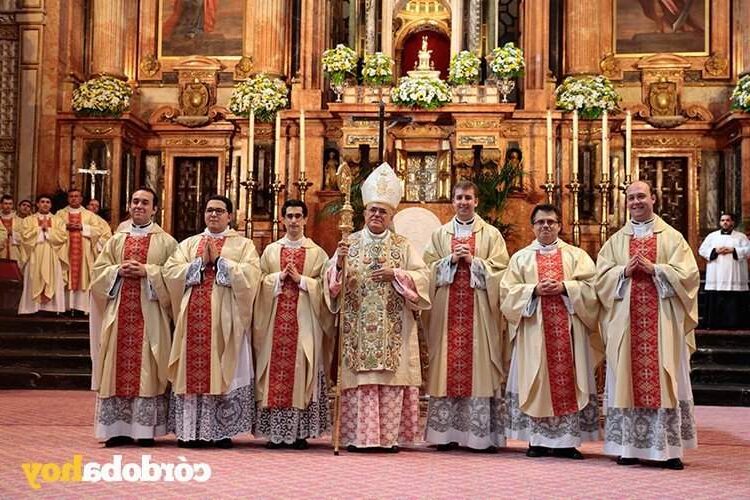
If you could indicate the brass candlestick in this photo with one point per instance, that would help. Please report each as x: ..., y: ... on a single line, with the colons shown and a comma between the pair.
x: 575, y: 187
x: 604, y: 187
x: 624, y: 187
x: 302, y: 185
x: 550, y: 187
x: 276, y: 188
x: 249, y: 185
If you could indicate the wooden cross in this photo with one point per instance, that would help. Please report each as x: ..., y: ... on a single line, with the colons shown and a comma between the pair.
x: 381, y: 126
x: 93, y: 172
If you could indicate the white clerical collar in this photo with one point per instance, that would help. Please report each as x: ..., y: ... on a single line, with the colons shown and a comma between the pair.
x: 43, y: 216
x: 538, y: 245
x: 469, y: 222
x: 286, y: 242
x: 643, y: 229
x: 374, y: 236
x: 136, y: 229
x: 74, y: 210
x: 216, y: 235
x: 721, y: 231
x: 8, y: 216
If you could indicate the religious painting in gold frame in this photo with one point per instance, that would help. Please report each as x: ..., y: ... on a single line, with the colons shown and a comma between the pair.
x: 211, y: 28
x: 644, y: 27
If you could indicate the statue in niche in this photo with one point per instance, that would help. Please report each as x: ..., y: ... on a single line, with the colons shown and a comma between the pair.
x: 332, y: 164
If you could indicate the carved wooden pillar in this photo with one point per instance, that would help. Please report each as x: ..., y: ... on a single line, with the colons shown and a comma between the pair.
x: 370, y: 25
x: 386, y: 28
x: 582, y: 37
x: 109, y: 22
x: 457, y: 30
x: 742, y: 39
x: 535, y: 43
x: 475, y: 25
x: 270, y: 26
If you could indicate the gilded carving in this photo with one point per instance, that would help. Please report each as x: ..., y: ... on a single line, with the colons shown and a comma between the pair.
x: 469, y: 124
x: 194, y: 99
x: 193, y: 142
x: 7, y: 145
x: 9, y: 48
x: 663, y: 98
x: 698, y: 112
x: 716, y: 64
x: 667, y: 141
x: 472, y: 140
x: 243, y: 68
x: 355, y: 140
x: 610, y: 66
x: 149, y: 66
x: 98, y: 130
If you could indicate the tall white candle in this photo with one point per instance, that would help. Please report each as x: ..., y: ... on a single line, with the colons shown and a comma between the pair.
x: 549, y: 143
x: 628, y: 141
x: 277, y: 146
x: 605, y: 145
x: 574, y: 172
x: 251, y: 147
x: 302, y: 143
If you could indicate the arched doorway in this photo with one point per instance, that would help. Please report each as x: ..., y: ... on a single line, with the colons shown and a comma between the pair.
x: 437, y: 42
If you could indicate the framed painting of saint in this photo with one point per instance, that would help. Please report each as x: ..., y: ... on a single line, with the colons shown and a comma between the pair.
x: 644, y: 27
x: 212, y: 28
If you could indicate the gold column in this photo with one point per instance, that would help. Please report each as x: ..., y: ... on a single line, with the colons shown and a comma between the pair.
x: 535, y: 43
x: 108, y: 52
x: 270, y: 27
x: 582, y: 37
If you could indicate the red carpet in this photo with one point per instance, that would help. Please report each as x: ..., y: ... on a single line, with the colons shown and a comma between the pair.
x: 50, y: 426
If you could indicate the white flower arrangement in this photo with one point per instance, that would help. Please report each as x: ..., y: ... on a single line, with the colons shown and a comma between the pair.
x: 378, y: 69
x: 464, y: 68
x: 262, y: 94
x: 589, y: 94
x: 102, y: 96
x: 339, y: 61
x: 426, y: 93
x: 741, y: 95
x: 507, y: 61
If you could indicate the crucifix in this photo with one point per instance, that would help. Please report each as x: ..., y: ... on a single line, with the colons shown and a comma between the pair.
x: 381, y: 126
x: 93, y: 172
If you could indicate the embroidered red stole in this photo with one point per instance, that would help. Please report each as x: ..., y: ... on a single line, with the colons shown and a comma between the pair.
x: 130, y: 322
x: 557, y: 338
x: 8, y: 223
x: 198, y: 337
x: 75, y: 252
x: 461, y: 326
x: 285, y: 333
x: 644, y: 329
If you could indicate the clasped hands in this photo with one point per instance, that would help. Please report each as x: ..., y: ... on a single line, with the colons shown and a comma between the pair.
x: 549, y: 287
x: 132, y: 269
x: 724, y: 250
x: 74, y: 227
x: 291, y: 271
x: 639, y: 263
x: 210, y: 254
x: 460, y: 252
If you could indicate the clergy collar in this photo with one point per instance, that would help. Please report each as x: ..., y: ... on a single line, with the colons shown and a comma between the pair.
x: 216, y: 235
x: 285, y: 241
x: 538, y: 245
x: 644, y: 223
x: 8, y: 216
x: 726, y: 232
x: 469, y: 222
x: 144, y: 226
x: 74, y: 210
x: 374, y: 236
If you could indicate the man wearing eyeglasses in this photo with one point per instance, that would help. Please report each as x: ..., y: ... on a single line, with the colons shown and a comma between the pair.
x: 549, y: 300
x: 647, y: 281
x: 212, y: 279
x: 291, y: 328
x: 467, y: 258
x: 130, y: 338
x: 386, y: 282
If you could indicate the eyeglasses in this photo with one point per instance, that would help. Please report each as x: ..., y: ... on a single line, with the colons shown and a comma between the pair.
x: 545, y: 222
x: 217, y: 211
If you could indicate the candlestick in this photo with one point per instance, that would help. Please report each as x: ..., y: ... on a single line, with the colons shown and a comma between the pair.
x: 302, y: 143
x: 549, y: 143
x: 628, y: 140
x: 605, y: 145
x: 277, y: 146
x: 251, y: 146
x: 575, y: 144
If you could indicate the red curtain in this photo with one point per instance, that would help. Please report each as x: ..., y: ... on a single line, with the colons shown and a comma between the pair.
x: 438, y: 43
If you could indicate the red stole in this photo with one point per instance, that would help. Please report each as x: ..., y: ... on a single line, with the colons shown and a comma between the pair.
x: 557, y: 338
x: 644, y: 329
x: 8, y: 223
x: 285, y: 333
x: 461, y: 326
x: 198, y: 338
x: 75, y: 252
x: 130, y: 323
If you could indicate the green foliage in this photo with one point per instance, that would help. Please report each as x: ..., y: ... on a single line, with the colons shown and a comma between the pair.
x: 494, y: 188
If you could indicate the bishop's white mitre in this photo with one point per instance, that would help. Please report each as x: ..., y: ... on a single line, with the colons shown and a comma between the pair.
x: 382, y: 186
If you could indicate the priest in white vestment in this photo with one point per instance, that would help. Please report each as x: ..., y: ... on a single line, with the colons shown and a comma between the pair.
x: 43, y: 283
x: 130, y: 340
x: 292, y: 336
x: 467, y: 258
x: 647, y: 282
x: 552, y: 310
x: 386, y: 283
x: 726, y: 252
x: 212, y: 279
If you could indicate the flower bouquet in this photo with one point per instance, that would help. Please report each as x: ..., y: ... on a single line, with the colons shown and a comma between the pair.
x: 264, y: 95
x: 589, y: 94
x: 102, y: 96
